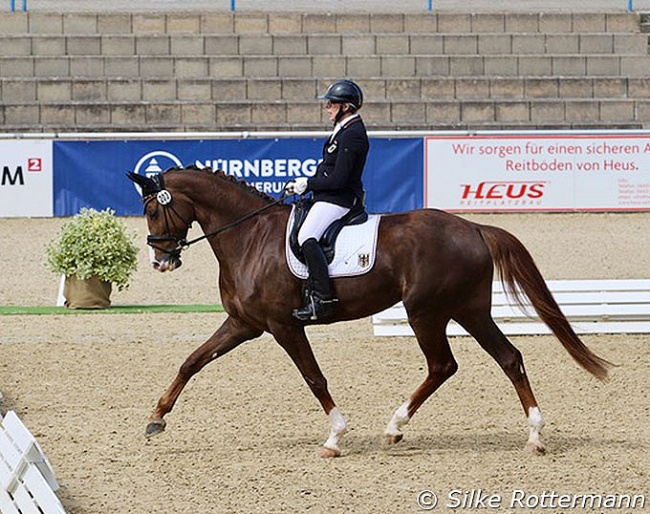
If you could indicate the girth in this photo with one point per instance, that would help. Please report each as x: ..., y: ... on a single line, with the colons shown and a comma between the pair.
x: 356, y: 216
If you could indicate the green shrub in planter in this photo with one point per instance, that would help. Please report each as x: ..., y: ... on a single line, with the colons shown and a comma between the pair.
x: 94, y: 244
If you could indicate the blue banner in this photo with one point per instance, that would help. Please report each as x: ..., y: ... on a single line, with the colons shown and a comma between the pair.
x: 93, y: 173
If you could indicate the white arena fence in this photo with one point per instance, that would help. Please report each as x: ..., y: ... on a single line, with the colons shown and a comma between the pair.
x: 592, y: 307
x: 27, y: 482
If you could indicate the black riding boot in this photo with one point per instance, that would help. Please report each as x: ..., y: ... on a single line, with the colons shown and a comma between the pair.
x: 319, y: 301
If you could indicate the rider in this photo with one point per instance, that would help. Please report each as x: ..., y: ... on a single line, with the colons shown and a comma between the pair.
x: 336, y: 187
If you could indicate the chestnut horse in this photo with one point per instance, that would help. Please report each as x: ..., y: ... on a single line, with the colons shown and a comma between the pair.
x: 439, y: 265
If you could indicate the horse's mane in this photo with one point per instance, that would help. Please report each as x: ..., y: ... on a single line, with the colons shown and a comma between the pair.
x: 222, y: 175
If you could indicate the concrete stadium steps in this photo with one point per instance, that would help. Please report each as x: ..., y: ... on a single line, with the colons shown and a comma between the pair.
x: 296, y: 23
x: 407, y: 115
x: 211, y: 104
x: 186, y: 45
x: 95, y: 89
x: 248, y: 71
x: 358, y: 66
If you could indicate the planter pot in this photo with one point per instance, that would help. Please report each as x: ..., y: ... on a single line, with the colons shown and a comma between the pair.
x: 91, y: 293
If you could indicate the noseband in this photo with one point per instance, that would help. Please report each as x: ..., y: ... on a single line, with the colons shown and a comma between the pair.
x: 165, y: 200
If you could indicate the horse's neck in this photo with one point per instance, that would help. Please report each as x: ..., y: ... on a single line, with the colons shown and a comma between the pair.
x: 219, y: 201
x: 225, y: 206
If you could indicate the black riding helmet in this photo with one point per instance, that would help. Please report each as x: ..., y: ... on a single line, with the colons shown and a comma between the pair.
x: 344, y: 92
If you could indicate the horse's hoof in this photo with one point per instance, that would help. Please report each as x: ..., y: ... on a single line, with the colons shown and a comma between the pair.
x: 155, y: 428
x: 392, y: 439
x: 535, y: 449
x: 328, y: 453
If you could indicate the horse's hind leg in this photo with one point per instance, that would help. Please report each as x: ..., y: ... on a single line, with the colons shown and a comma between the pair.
x: 483, y: 328
x: 230, y: 335
x: 441, y: 365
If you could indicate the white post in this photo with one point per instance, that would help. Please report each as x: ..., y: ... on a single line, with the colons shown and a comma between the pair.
x: 60, y: 299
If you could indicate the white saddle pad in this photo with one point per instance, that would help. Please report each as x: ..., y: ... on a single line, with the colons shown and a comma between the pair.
x: 356, y: 247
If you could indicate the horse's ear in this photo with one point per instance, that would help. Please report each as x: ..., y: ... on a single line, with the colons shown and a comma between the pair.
x: 148, y: 185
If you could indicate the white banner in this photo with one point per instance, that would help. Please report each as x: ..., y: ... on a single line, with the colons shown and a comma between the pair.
x: 559, y: 172
x: 26, y: 178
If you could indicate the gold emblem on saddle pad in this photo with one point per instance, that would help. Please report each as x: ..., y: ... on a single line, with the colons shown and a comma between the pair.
x: 364, y: 260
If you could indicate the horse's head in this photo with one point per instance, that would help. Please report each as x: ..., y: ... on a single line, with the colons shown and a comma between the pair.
x: 169, y: 218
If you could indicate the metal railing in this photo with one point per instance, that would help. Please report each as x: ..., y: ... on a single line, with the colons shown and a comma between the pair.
x: 430, y: 6
x: 233, y: 6
x: 13, y: 5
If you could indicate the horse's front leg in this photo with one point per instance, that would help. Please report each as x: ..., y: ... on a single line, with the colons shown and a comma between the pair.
x: 295, y: 343
x: 230, y: 335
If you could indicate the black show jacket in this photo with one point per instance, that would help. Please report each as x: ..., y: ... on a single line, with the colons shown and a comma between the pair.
x: 338, y: 176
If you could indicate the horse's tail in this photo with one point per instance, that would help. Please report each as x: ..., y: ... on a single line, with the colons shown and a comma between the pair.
x: 516, y: 267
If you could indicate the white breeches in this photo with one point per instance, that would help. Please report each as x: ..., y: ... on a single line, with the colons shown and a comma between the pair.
x: 321, y: 216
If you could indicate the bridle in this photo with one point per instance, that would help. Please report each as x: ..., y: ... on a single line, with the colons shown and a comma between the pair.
x: 164, y: 199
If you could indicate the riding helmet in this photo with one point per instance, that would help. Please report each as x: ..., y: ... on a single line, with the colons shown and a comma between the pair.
x: 344, y: 91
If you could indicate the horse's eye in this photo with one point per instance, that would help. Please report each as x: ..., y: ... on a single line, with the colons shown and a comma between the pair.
x: 152, y: 212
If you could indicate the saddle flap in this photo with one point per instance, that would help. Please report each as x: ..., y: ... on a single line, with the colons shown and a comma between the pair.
x: 298, y: 215
x: 356, y: 216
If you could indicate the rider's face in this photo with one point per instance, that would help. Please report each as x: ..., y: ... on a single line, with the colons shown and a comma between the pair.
x: 332, y: 109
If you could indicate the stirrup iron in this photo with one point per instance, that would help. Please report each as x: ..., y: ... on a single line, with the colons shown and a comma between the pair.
x: 315, y: 308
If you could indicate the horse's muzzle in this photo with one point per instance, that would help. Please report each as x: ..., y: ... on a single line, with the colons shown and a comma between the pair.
x: 167, y: 263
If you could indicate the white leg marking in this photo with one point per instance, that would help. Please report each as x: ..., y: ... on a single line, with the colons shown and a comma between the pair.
x: 536, y: 422
x: 399, y: 419
x: 338, y: 428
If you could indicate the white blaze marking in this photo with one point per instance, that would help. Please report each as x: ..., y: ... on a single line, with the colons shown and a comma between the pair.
x: 152, y: 253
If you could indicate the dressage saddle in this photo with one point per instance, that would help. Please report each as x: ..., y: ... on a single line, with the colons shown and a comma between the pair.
x: 356, y: 216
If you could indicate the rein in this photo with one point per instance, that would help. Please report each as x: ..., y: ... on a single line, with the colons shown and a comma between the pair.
x: 182, y: 243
